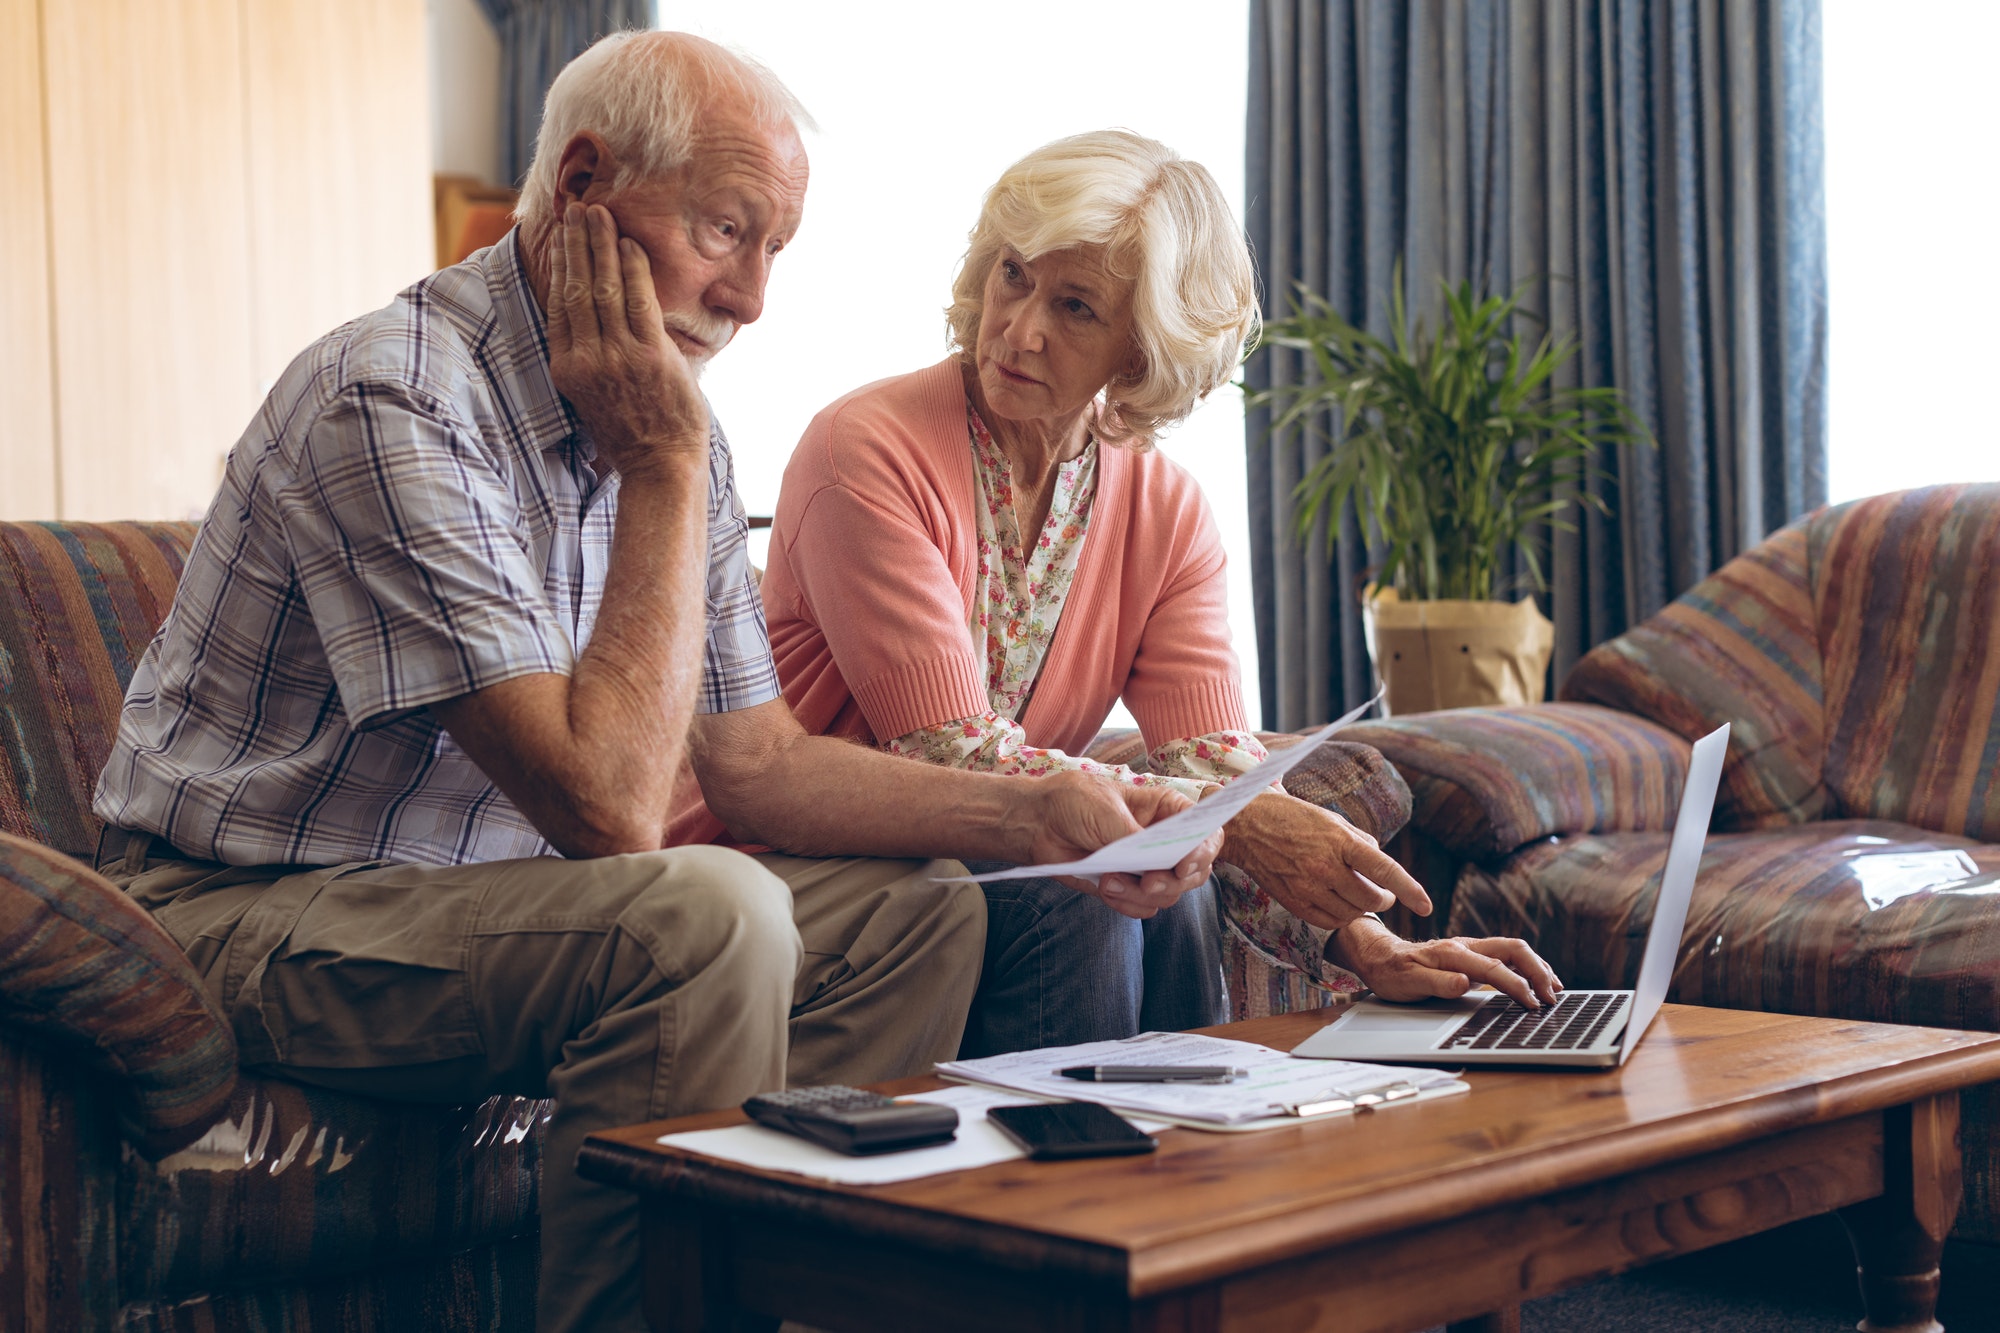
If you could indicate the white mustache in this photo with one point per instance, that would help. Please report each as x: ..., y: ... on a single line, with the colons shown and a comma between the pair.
x: 712, y: 331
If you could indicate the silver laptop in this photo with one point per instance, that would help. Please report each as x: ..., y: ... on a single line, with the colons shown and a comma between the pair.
x: 1588, y: 1028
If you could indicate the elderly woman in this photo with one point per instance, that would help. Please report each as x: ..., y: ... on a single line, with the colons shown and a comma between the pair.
x: 970, y: 564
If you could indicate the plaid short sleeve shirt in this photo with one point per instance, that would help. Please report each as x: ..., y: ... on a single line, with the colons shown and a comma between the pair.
x: 413, y: 515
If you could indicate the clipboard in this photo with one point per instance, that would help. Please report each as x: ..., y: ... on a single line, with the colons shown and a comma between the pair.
x: 1331, y: 1108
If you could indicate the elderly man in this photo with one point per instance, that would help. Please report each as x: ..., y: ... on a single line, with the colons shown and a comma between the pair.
x: 473, y: 588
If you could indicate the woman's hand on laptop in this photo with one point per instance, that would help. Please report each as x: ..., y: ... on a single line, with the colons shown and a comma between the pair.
x: 1399, y: 969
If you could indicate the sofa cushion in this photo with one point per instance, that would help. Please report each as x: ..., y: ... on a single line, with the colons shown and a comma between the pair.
x: 1812, y: 920
x: 295, y: 1183
x: 1740, y: 647
x: 1853, y: 655
x: 1808, y: 920
x: 85, y: 968
x: 1906, y: 593
x: 1484, y: 781
x: 78, y: 604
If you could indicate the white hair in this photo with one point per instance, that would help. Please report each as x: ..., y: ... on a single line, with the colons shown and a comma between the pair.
x: 643, y: 93
x: 1165, y: 227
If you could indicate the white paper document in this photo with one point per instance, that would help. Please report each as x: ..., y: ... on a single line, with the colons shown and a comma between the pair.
x: 978, y: 1143
x: 1162, y: 846
x: 1275, y: 1080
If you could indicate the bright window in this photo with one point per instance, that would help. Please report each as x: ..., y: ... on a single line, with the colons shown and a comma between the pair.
x: 1912, y: 194
x: 921, y: 105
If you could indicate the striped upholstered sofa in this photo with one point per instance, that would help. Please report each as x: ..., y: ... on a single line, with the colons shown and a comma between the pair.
x: 1856, y: 656
x: 148, y: 1185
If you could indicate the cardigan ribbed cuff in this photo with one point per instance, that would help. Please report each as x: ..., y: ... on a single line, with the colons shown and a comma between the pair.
x: 1196, y: 710
x: 926, y: 693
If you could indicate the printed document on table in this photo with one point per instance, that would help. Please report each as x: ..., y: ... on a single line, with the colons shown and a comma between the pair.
x: 1162, y: 846
x: 1275, y: 1080
x: 979, y: 1143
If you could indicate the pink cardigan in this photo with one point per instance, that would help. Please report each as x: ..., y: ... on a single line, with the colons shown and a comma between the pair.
x: 869, y: 590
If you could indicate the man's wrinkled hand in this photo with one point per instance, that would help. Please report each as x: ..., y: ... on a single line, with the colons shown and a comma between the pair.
x: 1081, y: 813
x: 1398, y: 969
x: 609, y: 353
x: 1315, y: 864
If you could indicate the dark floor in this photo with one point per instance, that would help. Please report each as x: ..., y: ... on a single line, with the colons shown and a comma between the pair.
x: 1797, y: 1279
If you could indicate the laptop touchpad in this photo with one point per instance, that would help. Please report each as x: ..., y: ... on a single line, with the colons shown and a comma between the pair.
x: 1382, y: 1021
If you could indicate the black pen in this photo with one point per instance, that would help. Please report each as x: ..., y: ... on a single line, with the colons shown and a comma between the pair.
x: 1154, y: 1073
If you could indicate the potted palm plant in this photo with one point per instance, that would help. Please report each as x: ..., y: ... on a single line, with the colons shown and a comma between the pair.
x: 1453, y: 448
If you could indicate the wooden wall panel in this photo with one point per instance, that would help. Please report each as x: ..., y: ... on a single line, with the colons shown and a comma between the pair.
x: 148, y: 203
x: 27, y: 391
x: 340, y: 162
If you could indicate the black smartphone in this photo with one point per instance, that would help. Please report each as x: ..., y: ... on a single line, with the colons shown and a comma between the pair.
x: 1057, y: 1130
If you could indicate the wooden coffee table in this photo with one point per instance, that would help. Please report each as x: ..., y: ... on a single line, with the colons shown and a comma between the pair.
x: 1724, y: 1123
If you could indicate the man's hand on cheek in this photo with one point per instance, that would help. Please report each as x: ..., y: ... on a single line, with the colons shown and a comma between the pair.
x: 609, y: 353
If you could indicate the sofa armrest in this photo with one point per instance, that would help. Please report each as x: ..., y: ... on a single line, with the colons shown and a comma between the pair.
x: 86, y: 971
x: 1486, y: 781
x: 1353, y: 781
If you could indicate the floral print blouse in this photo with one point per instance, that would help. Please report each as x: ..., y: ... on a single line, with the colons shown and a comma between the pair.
x: 1018, y: 594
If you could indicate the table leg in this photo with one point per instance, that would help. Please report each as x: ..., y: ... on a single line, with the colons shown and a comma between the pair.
x: 1898, y: 1237
x: 1506, y: 1319
x: 686, y: 1290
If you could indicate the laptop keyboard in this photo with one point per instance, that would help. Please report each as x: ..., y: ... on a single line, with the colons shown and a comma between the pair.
x: 1571, y: 1024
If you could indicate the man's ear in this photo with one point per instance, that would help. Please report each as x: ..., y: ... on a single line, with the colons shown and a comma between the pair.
x: 584, y: 172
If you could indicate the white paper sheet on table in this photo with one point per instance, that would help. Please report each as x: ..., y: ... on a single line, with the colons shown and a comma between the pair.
x: 1274, y: 1082
x: 978, y: 1143
x: 1162, y: 846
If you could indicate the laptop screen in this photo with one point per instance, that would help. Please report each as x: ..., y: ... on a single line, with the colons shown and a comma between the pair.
x: 1670, y: 907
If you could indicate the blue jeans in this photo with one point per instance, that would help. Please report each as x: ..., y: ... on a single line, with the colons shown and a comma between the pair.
x: 1062, y: 968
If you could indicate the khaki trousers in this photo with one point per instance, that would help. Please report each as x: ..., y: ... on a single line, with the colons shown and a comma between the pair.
x: 628, y: 988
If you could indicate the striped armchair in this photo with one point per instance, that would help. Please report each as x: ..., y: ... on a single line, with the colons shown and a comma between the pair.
x: 145, y: 1184
x: 1853, y: 870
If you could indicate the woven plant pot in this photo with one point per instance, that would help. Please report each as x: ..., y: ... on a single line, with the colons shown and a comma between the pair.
x: 1454, y: 654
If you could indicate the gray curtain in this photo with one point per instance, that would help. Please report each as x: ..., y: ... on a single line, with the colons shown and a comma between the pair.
x: 537, y: 38
x: 1656, y: 165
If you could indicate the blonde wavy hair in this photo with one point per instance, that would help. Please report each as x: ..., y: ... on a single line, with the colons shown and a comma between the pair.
x: 1165, y: 228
